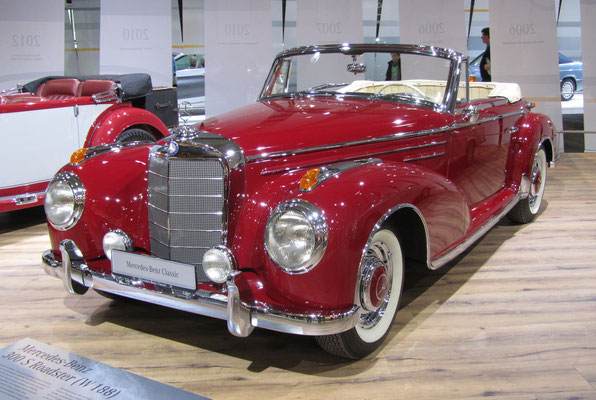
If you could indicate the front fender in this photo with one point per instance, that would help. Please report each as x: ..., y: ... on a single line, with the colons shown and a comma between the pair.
x: 352, y: 202
x: 117, y: 119
x: 116, y: 198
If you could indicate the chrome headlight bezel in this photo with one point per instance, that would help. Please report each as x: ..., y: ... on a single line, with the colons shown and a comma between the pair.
x: 317, y: 234
x: 76, y: 197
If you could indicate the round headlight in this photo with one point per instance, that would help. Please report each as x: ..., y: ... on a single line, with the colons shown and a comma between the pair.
x: 116, y: 240
x: 296, y: 236
x: 64, y: 200
x: 218, y: 263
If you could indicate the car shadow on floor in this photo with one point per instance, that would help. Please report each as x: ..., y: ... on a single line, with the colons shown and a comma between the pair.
x: 265, y: 349
x: 19, y: 219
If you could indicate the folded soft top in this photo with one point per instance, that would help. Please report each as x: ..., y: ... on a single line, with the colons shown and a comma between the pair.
x: 133, y: 85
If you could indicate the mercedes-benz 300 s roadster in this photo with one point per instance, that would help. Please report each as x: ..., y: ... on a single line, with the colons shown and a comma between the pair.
x: 300, y: 213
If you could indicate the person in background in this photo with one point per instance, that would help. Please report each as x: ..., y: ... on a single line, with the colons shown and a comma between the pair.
x: 485, y: 61
x: 393, y: 68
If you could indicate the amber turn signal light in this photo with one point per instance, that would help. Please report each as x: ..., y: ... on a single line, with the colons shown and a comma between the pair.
x: 472, y: 79
x: 78, y: 156
x: 309, y: 179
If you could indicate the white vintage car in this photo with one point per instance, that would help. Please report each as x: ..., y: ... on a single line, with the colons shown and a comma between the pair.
x: 45, y: 121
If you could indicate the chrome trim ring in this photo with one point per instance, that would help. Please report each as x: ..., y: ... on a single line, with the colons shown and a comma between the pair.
x: 78, y: 191
x: 378, y: 258
x: 318, y: 224
x: 378, y: 254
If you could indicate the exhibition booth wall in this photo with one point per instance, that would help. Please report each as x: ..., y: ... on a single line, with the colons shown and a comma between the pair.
x: 238, y: 39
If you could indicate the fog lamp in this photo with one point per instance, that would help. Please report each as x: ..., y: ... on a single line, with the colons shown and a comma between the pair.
x: 218, y: 264
x: 116, y: 240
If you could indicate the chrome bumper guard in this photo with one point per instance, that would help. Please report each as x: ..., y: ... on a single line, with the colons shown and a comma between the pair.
x: 241, y: 319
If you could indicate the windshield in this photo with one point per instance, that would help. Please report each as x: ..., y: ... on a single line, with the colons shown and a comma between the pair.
x: 399, y: 76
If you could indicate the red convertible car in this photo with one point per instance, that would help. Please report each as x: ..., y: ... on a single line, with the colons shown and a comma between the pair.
x: 300, y: 213
x: 46, y: 120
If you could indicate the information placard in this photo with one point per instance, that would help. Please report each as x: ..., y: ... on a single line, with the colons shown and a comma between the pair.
x: 33, y: 370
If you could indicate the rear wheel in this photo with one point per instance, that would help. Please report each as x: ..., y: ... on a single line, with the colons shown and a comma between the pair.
x: 380, y: 290
x: 567, y: 89
x: 526, y: 209
x: 134, y: 135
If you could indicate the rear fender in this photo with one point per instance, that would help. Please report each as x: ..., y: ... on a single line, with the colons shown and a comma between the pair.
x: 535, y: 130
x: 116, y: 120
x: 353, y: 202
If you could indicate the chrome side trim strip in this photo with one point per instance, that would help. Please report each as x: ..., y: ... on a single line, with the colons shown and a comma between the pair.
x: 425, y: 157
x: 451, y: 255
x: 359, y: 157
x: 396, y: 136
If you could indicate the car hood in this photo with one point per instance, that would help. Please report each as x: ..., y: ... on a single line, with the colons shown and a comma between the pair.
x: 286, y: 124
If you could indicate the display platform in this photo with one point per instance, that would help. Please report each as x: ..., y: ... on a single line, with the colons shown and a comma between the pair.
x: 512, y: 319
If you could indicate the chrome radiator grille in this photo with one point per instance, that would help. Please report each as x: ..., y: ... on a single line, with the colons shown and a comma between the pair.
x: 186, y: 208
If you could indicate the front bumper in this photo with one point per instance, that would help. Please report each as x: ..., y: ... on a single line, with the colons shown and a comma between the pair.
x: 241, y: 319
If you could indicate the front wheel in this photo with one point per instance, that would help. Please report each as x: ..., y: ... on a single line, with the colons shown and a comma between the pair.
x: 526, y: 209
x: 380, y: 289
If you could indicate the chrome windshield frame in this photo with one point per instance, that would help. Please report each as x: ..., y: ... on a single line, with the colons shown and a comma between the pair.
x: 455, y: 68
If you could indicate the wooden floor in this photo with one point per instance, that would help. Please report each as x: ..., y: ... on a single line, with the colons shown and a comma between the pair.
x: 514, y: 319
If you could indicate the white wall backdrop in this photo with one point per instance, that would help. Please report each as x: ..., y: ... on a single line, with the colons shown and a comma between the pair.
x: 193, y: 18
x: 523, y: 48
x: 440, y: 23
x: 588, y: 27
x: 136, y: 36
x: 238, y: 52
x: 31, y: 40
x: 329, y: 21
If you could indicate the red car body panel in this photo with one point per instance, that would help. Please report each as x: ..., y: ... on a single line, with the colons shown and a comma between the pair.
x: 447, y: 207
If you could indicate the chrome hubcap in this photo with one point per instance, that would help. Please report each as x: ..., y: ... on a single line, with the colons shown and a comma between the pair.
x: 375, y: 288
